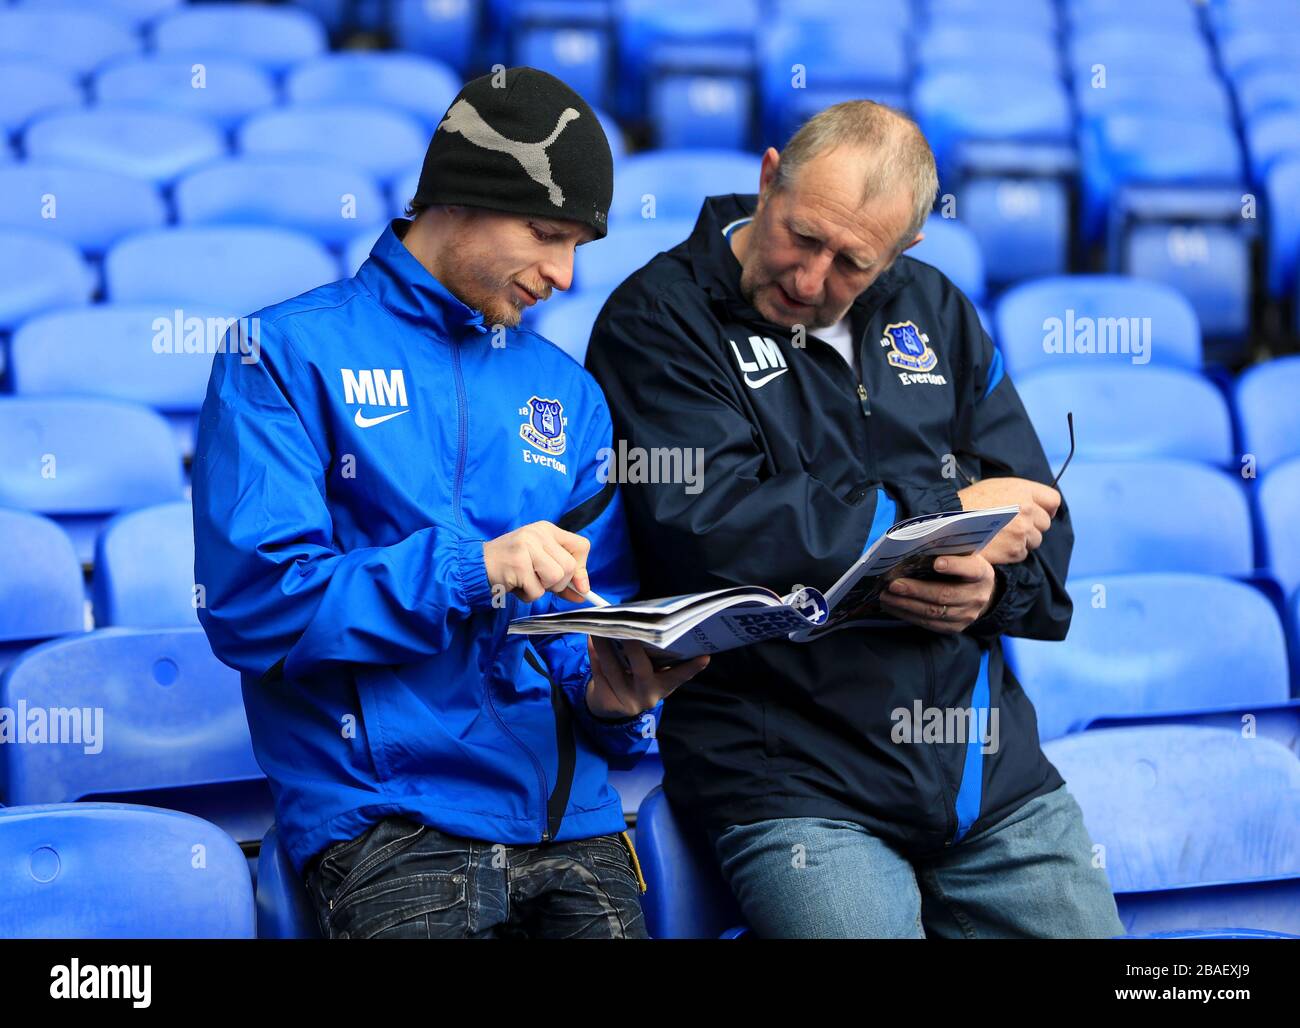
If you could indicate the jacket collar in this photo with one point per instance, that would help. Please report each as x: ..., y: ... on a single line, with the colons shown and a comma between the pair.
x: 717, y: 271
x: 404, y: 286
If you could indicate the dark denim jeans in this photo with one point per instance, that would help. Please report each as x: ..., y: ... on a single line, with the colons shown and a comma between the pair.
x: 404, y: 880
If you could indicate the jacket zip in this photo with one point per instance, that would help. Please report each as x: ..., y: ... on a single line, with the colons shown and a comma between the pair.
x: 565, y: 748
x: 462, y: 429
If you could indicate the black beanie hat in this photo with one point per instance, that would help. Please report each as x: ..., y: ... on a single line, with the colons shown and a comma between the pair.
x: 527, y: 144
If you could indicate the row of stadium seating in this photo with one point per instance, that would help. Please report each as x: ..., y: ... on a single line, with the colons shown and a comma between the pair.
x: 1180, y: 132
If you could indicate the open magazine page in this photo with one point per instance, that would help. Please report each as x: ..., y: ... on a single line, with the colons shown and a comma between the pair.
x: 907, y: 550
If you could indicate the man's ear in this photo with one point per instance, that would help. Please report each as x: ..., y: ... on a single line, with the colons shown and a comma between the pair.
x: 919, y: 237
x: 767, y: 173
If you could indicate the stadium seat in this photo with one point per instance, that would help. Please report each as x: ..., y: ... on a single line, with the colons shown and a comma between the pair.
x: 1208, y: 264
x: 1283, y: 215
x: 953, y: 107
x: 1268, y: 90
x: 1135, y: 91
x: 578, y: 52
x: 1172, y: 14
x: 414, y: 85
x: 1262, y: 48
x: 445, y: 31
x: 29, y: 88
x: 1090, y: 309
x: 1270, y: 138
x: 154, y: 718
x: 358, y: 250
x: 674, y: 183
x: 328, y: 200
x: 1157, y: 515
x: 685, y: 897
x: 157, y: 146
x: 276, y: 38
x: 1154, y: 643
x: 232, y: 267
x: 1022, y: 225
x: 73, y: 41
x: 567, y: 322
x: 378, y: 140
x: 89, y: 208
x: 1121, y: 48
x: 136, y: 13
x: 1125, y: 413
x: 1198, y: 827
x: 135, y: 352
x: 1278, y: 501
x: 120, y: 871
x: 1036, y: 15
x: 962, y: 45
x: 601, y: 266
x: 1265, y: 399
x: 707, y: 110
x: 284, y: 910
x: 634, y: 785
x: 41, y: 591
x: 952, y: 248
x: 228, y: 91
x: 144, y: 569
x: 39, y: 274
x: 82, y: 460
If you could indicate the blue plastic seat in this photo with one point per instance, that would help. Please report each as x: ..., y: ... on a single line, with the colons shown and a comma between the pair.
x: 1209, y: 264
x: 1199, y: 827
x: 136, y: 13
x: 92, y: 209
x: 231, y: 267
x: 300, y: 193
x: 156, y: 719
x: 358, y: 250
x: 952, y: 248
x: 120, y: 871
x: 230, y: 89
x: 74, y: 41
x: 284, y: 910
x: 1265, y: 47
x: 1083, y: 14
x: 39, y: 274
x: 144, y: 569
x: 1278, y: 503
x: 1123, y: 48
x: 568, y: 321
x: 1124, y: 413
x: 1283, y: 215
x: 1031, y: 318
x: 1266, y: 90
x: 634, y: 784
x: 154, y: 145
x: 1157, y: 515
x: 442, y: 31
x: 1265, y: 398
x: 417, y: 86
x: 602, y: 265
x: 674, y: 183
x: 1135, y: 91
x: 41, y: 591
x: 29, y: 88
x: 962, y: 45
x: 571, y: 41
x: 82, y: 460
x: 704, y: 111
x: 140, y: 353
x: 1154, y: 643
x: 275, y: 38
x: 1270, y: 138
x: 379, y: 140
x: 685, y: 897
x: 1022, y: 226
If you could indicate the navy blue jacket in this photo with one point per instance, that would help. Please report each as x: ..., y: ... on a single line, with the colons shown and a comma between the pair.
x: 804, y: 466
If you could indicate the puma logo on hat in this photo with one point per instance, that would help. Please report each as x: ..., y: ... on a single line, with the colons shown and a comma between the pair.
x: 469, y: 123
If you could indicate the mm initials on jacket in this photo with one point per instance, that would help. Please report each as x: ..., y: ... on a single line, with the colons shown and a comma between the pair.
x: 374, y: 387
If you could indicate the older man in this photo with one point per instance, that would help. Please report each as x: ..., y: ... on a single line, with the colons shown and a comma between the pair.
x: 879, y: 781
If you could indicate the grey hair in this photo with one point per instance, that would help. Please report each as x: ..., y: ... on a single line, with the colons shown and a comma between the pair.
x: 900, y: 155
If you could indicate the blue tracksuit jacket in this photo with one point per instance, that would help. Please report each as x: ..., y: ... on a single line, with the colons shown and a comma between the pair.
x: 344, y: 483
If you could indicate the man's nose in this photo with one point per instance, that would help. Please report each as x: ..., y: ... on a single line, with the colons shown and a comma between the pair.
x: 810, y: 278
x: 558, y: 271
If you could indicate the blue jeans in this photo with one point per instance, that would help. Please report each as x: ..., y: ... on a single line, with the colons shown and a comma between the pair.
x: 1029, y: 876
x: 406, y: 880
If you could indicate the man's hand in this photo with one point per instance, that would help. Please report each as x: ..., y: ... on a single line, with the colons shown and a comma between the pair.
x: 1038, y: 505
x: 615, y: 693
x: 945, y: 606
x: 539, y: 558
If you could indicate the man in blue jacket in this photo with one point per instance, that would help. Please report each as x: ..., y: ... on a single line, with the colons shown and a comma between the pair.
x: 398, y: 473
